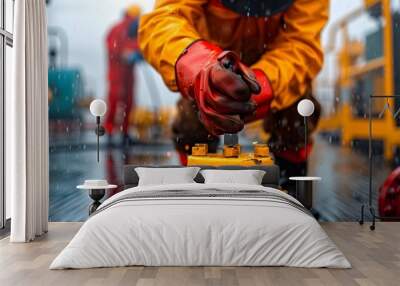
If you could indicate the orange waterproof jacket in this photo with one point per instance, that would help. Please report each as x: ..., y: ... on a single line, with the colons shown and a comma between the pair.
x: 285, y: 46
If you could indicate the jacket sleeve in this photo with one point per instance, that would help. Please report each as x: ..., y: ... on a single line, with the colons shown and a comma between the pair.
x: 165, y: 33
x: 295, y: 57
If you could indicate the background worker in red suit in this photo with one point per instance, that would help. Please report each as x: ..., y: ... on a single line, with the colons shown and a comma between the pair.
x: 123, y: 53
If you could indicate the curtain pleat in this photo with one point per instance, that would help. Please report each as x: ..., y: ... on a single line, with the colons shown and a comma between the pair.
x: 15, y: 130
x: 44, y: 172
x: 30, y: 157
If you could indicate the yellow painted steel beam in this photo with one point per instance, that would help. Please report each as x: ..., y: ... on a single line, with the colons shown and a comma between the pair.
x: 359, y: 129
x: 359, y: 71
x: 384, y: 129
x: 369, y: 3
x: 330, y: 123
x: 388, y: 47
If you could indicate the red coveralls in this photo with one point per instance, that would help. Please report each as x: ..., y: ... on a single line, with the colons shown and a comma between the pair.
x: 120, y: 74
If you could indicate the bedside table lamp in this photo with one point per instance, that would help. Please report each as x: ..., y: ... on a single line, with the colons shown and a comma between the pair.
x: 304, y: 184
x: 97, y: 190
x: 305, y: 108
x: 98, y: 108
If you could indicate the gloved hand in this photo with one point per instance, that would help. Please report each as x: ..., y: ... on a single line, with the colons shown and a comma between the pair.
x: 187, y: 130
x: 220, y: 85
x: 286, y: 128
x: 262, y: 99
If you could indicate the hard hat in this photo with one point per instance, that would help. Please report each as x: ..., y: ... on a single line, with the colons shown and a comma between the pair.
x: 133, y: 11
x: 257, y: 8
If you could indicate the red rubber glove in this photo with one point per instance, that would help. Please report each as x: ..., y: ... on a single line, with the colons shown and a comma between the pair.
x: 219, y: 83
x: 262, y: 99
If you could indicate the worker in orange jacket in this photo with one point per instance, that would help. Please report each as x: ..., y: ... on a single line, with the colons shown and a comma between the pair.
x: 123, y: 53
x: 235, y: 62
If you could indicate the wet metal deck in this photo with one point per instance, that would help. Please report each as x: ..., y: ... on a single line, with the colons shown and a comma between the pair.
x: 338, y: 196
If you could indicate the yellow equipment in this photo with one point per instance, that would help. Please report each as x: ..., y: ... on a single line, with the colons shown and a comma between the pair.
x: 377, y: 72
x: 231, y: 155
x: 143, y: 120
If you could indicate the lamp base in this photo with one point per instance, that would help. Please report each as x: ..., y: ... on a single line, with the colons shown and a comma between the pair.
x: 96, y: 195
x: 304, y: 190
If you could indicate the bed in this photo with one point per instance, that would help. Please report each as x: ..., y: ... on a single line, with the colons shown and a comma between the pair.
x: 198, y: 224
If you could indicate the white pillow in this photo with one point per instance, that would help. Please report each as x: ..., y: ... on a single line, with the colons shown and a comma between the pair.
x: 248, y: 177
x: 166, y: 176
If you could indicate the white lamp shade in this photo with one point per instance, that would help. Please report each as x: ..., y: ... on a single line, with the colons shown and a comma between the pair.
x: 305, y: 107
x: 98, y: 107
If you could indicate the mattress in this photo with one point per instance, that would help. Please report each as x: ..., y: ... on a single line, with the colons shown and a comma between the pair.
x: 201, y: 225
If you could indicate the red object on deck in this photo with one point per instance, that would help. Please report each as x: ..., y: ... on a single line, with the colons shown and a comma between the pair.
x: 389, y: 195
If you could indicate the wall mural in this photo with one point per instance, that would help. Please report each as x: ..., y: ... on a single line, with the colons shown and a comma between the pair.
x: 225, y: 100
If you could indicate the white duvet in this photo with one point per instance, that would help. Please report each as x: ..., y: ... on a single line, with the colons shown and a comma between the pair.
x: 200, y: 231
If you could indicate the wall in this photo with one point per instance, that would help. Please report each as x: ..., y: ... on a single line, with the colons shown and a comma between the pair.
x: 86, y: 24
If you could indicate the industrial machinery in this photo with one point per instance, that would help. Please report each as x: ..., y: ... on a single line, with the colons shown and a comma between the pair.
x: 66, y: 88
x: 367, y: 86
x: 65, y: 83
x: 367, y: 67
x: 151, y: 124
x: 231, y: 155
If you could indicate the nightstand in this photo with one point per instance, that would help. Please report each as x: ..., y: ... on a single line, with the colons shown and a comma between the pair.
x: 304, y: 191
x: 97, y: 190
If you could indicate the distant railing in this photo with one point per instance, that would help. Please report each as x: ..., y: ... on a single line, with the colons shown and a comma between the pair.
x: 341, y: 117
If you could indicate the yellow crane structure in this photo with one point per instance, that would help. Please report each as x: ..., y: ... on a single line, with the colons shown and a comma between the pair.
x: 350, y: 116
x: 144, y: 119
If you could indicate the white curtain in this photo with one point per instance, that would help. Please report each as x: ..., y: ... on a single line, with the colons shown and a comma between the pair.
x: 27, y: 124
